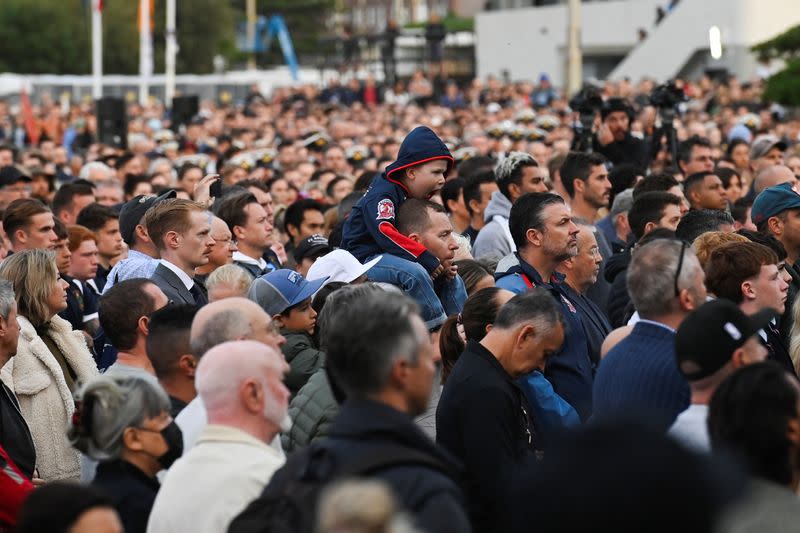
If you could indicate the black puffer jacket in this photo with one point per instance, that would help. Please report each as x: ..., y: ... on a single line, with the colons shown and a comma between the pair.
x: 618, y: 299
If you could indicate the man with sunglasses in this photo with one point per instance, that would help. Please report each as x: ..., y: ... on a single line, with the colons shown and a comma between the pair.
x: 639, y: 378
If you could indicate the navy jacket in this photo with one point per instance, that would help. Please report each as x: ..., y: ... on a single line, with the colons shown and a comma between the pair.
x: 80, y: 304
x: 370, y: 229
x: 639, y: 379
x: 571, y: 370
x: 595, y: 322
x: 483, y: 419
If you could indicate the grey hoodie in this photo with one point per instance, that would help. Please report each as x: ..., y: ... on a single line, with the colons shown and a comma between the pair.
x: 494, y: 239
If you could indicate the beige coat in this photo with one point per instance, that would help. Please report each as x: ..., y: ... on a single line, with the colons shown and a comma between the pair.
x: 44, y: 397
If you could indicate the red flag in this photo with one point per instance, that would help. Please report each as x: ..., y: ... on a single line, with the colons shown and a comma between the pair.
x: 27, y: 115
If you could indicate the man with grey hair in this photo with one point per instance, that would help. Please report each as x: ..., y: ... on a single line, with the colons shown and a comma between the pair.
x: 517, y: 174
x: 226, y: 320
x: 109, y: 193
x: 615, y: 226
x: 639, y: 377
x: 15, y: 436
x: 96, y: 172
x: 240, y: 383
x: 482, y: 416
x: 380, y: 352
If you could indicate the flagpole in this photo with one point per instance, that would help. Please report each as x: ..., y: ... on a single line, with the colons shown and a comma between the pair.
x: 97, y: 49
x: 171, y: 51
x: 145, y: 51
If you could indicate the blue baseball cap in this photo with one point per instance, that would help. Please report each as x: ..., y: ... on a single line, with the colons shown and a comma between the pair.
x: 773, y: 201
x: 281, y: 289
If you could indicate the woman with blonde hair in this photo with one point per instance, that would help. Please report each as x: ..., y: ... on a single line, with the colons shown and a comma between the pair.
x: 51, y: 359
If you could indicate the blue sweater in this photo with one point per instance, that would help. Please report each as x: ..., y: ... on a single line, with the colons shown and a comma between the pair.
x: 639, y: 379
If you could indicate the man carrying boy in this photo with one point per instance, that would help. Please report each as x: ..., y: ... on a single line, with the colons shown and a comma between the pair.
x: 419, y: 172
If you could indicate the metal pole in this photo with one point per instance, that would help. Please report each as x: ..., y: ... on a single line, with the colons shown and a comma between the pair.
x: 171, y: 52
x: 145, y: 51
x: 97, y: 50
x: 251, y: 33
x: 574, y: 55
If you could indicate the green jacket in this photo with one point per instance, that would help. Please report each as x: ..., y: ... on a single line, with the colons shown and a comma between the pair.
x: 312, y: 412
x: 303, y: 357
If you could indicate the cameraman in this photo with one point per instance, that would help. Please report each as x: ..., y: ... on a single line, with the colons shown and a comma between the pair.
x: 613, y: 138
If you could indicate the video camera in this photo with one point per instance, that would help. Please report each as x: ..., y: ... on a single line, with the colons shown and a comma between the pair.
x: 666, y: 98
x: 587, y: 102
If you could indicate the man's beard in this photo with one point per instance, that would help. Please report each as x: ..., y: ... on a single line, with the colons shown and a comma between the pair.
x: 560, y: 254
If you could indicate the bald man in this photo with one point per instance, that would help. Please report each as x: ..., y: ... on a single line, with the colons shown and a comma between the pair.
x: 231, y: 319
x: 240, y: 383
x: 771, y: 176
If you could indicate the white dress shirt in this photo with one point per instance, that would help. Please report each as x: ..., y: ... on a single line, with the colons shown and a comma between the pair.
x: 187, y: 281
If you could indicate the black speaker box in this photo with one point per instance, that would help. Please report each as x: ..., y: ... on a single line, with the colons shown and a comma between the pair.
x: 184, y: 109
x: 112, y: 122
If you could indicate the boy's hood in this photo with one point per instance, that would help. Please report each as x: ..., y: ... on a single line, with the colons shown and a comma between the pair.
x: 420, y: 146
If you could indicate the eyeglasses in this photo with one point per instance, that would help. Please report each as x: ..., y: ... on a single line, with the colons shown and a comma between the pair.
x: 684, y: 245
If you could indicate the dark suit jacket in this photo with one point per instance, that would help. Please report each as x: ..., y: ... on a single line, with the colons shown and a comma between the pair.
x: 639, y: 379
x: 172, y: 286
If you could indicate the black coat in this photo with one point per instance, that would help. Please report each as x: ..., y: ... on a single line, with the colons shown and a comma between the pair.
x: 482, y: 419
x: 618, y: 299
x: 630, y: 150
x: 15, y: 437
x: 132, y: 492
x: 434, y: 499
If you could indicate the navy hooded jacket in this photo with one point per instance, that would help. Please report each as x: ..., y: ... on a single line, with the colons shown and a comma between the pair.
x: 370, y: 229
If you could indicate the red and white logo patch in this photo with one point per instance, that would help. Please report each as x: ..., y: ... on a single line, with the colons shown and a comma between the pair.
x: 385, y: 210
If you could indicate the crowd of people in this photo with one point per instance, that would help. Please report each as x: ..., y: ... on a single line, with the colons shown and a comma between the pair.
x: 411, y: 308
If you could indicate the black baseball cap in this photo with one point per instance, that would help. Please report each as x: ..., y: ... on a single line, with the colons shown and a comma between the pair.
x: 10, y: 175
x: 311, y: 246
x: 133, y: 211
x: 710, y: 334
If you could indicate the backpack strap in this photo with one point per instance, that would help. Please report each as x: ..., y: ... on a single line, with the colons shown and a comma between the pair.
x: 391, y: 455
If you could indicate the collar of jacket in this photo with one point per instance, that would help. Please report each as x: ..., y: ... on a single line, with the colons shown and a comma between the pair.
x: 119, y: 469
x: 535, y: 278
x: 365, y: 419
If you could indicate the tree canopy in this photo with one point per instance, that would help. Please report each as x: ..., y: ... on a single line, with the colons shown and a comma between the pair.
x: 54, y: 36
x: 783, y: 86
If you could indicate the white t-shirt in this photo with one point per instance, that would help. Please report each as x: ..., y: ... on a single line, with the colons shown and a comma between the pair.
x: 691, y: 428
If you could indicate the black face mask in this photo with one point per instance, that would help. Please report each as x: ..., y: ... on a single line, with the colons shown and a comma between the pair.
x: 174, y: 438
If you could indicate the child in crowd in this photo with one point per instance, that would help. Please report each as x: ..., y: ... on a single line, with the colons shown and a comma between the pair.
x: 286, y: 296
x: 419, y: 172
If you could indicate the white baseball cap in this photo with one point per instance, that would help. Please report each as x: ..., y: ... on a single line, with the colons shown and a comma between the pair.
x: 340, y: 265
